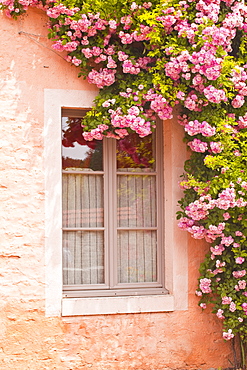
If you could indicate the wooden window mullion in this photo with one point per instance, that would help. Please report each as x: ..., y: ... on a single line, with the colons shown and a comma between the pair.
x: 111, y: 205
x: 106, y: 213
x: 160, y: 205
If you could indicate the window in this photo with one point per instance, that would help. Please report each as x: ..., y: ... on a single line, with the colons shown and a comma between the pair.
x: 175, y: 272
x: 112, y: 213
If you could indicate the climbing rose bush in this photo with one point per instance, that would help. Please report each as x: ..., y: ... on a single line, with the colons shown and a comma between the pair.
x: 146, y: 58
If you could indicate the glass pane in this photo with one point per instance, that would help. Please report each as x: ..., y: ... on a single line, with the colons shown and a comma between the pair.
x: 137, y: 256
x: 83, y: 200
x: 135, y: 153
x: 136, y: 200
x: 83, y: 257
x: 77, y: 153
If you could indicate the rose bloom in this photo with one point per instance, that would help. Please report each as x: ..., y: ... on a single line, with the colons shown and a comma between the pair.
x: 219, y: 314
x: 242, y: 284
x: 239, y: 274
x: 198, y: 293
x: 226, y: 216
x: 238, y: 233
x: 244, y: 306
x: 228, y: 335
x: 226, y: 300
x: 239, y: 260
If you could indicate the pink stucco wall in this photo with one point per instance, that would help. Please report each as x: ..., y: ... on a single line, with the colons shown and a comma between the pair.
x: 186, y: 339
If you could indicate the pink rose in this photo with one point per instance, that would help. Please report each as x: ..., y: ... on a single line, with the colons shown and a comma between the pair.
x: 239, y: 260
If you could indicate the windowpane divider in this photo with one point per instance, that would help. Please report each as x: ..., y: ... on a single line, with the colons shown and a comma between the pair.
x: 133, y: 173
x: 83, y: 228
x: 137, y: 228
x: 112, y: 215
x: 68, y: 288
x: 82, y: 172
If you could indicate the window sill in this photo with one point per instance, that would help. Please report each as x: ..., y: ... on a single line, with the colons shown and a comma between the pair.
x: 115, y: 305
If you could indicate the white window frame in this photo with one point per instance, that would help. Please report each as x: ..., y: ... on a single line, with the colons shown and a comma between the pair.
x: 109, y: 174
x: 176, y: 267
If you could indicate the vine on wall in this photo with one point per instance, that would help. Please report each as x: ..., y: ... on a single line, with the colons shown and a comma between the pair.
x: 147, y: 57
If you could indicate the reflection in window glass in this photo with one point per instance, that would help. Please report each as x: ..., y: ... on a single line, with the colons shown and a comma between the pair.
x: 135, y: 153
x: 77, y: 153
x: 136, y: 201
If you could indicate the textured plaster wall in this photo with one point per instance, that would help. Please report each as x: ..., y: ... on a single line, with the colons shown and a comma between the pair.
x: 28, y: 340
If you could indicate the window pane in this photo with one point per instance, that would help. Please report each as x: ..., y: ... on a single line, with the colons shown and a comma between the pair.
x: 82, y: 200
x: 83, y: 257
x: 77, y: 153
x: 136, y: 200
x: 135, y: 153
x: 137, y: 256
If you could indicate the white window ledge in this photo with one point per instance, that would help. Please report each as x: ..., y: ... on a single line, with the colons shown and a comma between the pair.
x: 116, y: 305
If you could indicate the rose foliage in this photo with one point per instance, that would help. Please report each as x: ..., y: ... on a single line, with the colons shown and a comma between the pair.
x: 146, y: 58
